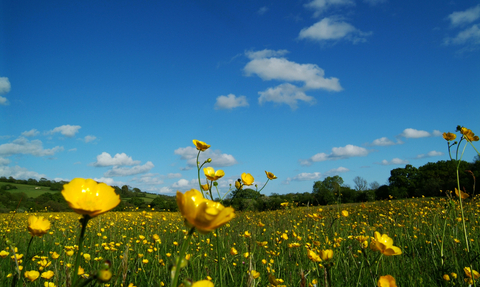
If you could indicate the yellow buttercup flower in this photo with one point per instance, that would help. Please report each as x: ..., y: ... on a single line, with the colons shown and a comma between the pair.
x: 344, y: 213
x: 203, y: 283
x: 4, y: 254
x: 468, y: 134
x: 449, y: 136
x: 384, y: 244
x: 255, y: 274
x: 87, y: 197
x: 38, y: 226
x: 313, y: 256
x: 205, y: 215
x: 32, y: 275
x: 205, y: 187
x: 247, y: 179
x: 211, y: 174
x: 468, y: 272
x: 47, y: 274
x: 201, y: 146
x: 326, y: 254
x: 462, y: 194
x: 233, y: 251
x: 386, y: 281
x: 270, y: 175
x: 104, y: 275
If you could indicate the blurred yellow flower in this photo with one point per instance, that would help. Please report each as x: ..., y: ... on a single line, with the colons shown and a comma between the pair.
x: 270, y: 175
x: 55, y: 255
x: 384, y: 244
x: 247, y: 179
x: 87, y: 257
x: 326, y: 254
x: 449, y: 136
x: 203, y: 283
x: 211, y: 174
x: 313, y: 256
x: 201, y: 146
x: 38, y: 226
x: 255, y: 274
x: 284, y: 204
x: 32, y: 275
x: 4, y: 254
x: 87, y: 197
x: 233, y: 251
x: 47, y: 274
x: 284, y: 236
x: 104, y: 275
x: 203, y: 214
x: 386, y: 281
x: 205, y: 187
x: 468, y: 272
x: 446, y: 277
x: 462, y: 194
x: 344, y: 213
x: 468, y: 134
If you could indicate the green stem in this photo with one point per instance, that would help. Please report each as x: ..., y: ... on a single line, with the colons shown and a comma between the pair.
x: 219, y: 258
x: 198, y: 173
x: 84, y: 221
x: 264, y: 185
x: 181, y: 257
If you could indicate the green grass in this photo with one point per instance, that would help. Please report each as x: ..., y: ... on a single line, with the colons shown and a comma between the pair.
x: 29, y: 189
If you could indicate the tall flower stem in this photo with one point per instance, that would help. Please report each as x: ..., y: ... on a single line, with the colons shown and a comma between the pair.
x: 181, y: 257
x: 84, y: 222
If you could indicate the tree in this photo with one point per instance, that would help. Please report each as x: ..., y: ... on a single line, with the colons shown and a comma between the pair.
x: 403, y: 181
x: 327, y: 191
x: 374, y: 185
x: 360, y: 183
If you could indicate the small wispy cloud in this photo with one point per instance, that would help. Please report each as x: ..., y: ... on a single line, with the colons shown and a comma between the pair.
x: 230, y: 102
x: 119, y: 159
x: 66, y: 130
x: 430, y: 154
x: 337, y: 153
x: 30, y: 133
x: 333, y: 29
x: 262, y: 10
x: 395, y: 161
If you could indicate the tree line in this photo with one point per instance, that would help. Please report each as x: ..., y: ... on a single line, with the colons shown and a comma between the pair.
x: 427, y: 180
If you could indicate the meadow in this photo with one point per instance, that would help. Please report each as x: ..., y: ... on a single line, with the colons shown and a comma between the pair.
x: 141, y: 246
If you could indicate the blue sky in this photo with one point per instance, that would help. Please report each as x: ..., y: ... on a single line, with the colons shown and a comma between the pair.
x: 117, y: 90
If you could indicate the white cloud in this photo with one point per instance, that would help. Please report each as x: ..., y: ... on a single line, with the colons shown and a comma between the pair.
x: 3, y: 101
x: 285, y: 94
x: 66, y: 130
x: 30, y: 133
x: 182, y: 183
x: 22, y: 145
x: 468, y: 36
x: 332, y: 29
x: 321, y: 6
x: 394, y: 161
x: 109, y: 181
x: 465, y: 17
x: 282, y: 69
x: 430, y: 154
x: 149, y: 178
x: 414, y: 134
x: 105, y: 159
x: 4, y: 161
x: 230, y: 102
x: 218, y: 159
x: 262, y: 10
x: 19, y: 172
x: 384, y: 141
x: 4, y: 85
x: 174, y: 175
x: 89, y: 138
x: 337, y: 153
x: 309, y: 176
x: 127, y: 171
x: 265, y: 53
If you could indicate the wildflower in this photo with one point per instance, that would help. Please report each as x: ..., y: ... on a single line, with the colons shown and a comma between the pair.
x: 55, y: 255
x: 38, y: 226
x: 247, y: 179
x: 462, y: 194
x: 344, y: 213
x: 205, y: 187
x: 247, y: 234
x: 255, y: 274
x: 104, y: 275
x: 87, y: 197
x: 211, y: 174
x: 467, y: 271
x: 246, y: 254
x: 326, y: 254
x: 468, y: 134
x: 3, y: 253
x: 313, y: 256
x: 47, y: 274
x: 284, y: 204
x: 284, y: 236
x: 87, y: 257
x: 384, y: 244
x: 446, y: 277
x: 32, y: 275
x: 270, y: 175
x: 204, y: 214
x: 203, y: 283
x: 201, y: 146
x: 449, y: 136
x: 386, y: 281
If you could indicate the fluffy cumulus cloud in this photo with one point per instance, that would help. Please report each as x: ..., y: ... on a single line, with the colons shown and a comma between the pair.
x: 149, y: 179
x: 395, y: 161
x: 431, y: 154
x: 4, y: 161
x: 231, y: 101
x: 127, y: 171
x: 19, y: 172
x: 66, y: 130
x: 321, y: 6
x: 22, y: 145
x: 309, y: 176
x: 271, y: 65
x: 415, y: 134
x: 30, y: 133
x: 89, y: 138
x: 384, y: 141
x: 4, y: 89
x: 105, y: 159
x: 469, y: 33
x: 108, y: 180
x: 219, y: 159
x: 333, y: 29
x: 337, y: 153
